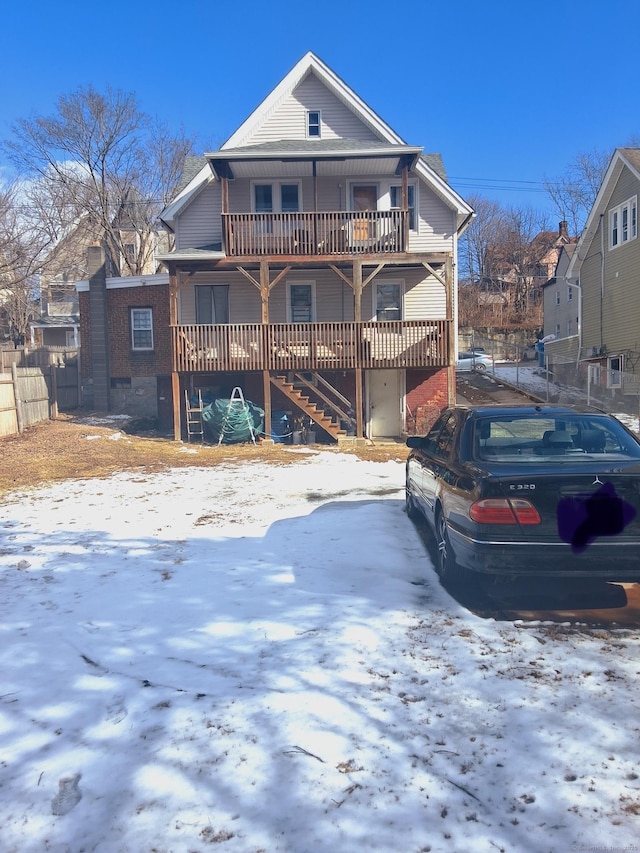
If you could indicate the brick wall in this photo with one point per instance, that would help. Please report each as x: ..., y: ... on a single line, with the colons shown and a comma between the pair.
x: 123, y: 361
x: 426, y: 397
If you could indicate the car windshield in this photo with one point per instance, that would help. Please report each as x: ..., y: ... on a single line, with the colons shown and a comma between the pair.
x: 504, y: 438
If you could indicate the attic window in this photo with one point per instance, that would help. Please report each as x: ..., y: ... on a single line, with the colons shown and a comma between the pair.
x: 313, y: 124
x: 623, y: 223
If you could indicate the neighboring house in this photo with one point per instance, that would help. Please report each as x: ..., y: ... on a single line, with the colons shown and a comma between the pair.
x: 562, y: 300
x: 606, y: 265
x: 314, y: 267
x: 66, y: 263
x: 59, y: 320
x: 515, y: 274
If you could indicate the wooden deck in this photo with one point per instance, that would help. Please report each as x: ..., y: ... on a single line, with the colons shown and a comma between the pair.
x: 310, y: 346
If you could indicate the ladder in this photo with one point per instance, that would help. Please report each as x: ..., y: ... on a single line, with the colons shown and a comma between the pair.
x: 195, y: 425
x: 237, y: 413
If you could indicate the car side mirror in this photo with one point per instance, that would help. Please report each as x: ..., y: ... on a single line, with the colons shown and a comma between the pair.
x: 415, y: 441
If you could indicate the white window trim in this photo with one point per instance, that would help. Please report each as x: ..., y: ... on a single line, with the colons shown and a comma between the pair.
x: 276, y: 194
x: 353, y: 184
x: 416, y: 206
x: 630, y: 207
x: 312, y: 285
x: 614, y: 374
x: 374, y: 296
x: 149, y: 312
x: 308, y: 128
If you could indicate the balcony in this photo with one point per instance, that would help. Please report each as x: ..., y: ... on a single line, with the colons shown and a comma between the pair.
x: 339, y: 233
x: 281, y: 347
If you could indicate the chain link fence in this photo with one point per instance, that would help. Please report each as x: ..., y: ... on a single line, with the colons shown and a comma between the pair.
x: 560, y: 378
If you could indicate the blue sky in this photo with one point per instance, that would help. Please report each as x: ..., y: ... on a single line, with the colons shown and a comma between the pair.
x: 508, y: 93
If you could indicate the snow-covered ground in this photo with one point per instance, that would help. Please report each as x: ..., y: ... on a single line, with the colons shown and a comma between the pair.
x: 262, y: 657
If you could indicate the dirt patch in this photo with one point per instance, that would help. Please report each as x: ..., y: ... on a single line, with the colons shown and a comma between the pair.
x: 86, y: 447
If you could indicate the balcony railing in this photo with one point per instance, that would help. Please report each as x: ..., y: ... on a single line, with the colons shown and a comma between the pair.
x: 304, y: 234
x: 311, y: 346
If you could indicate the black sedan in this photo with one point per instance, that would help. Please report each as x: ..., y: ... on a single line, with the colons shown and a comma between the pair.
x: 537, y: 490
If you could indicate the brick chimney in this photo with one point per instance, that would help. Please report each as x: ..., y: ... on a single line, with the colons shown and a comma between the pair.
x: 98, y: 319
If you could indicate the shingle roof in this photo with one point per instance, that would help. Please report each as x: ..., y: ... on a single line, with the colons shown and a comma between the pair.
x: 191, y: 167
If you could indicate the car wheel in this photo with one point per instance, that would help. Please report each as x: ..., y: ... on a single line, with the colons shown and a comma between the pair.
x: 480, y: 368
x: 409, y: 505
x: 447, y: 568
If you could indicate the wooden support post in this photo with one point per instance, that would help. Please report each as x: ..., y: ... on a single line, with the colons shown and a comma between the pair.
x: 175, y: 377
x: 266, y: 378
x: 16, y: 398
x: 53, y: 402
x: 175, y: 394
x: 357, y: 314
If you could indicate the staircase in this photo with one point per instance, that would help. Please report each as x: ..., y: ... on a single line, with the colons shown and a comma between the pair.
x: 321, y: 410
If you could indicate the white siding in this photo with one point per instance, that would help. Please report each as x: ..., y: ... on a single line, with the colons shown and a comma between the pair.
x: 244, y: 298
x: 288, y: 120
x: 424, y: 296
x: 200, y: 223
x: 437, y: 224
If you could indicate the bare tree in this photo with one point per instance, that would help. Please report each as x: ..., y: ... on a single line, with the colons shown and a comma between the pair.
x: 574, y: 192
x: 99, y: 157
x: 485, y: 231
x: 504, y: 262
x: 22, y: 243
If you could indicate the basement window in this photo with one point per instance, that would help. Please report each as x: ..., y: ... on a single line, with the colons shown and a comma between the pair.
x: 120, y: 382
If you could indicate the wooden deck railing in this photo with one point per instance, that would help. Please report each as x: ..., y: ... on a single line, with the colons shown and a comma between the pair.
x: 310, y: 346
x: 326, y: 233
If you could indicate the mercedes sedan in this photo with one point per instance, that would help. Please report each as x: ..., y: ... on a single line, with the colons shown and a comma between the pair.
x: 538, y: 490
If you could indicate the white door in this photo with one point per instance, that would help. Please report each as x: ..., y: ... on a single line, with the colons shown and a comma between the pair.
x: 385, y: 400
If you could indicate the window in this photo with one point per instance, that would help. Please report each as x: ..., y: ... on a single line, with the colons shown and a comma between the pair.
x: 557, y: 297
x: 263, y: 198
x: 388, y: 302
x: 141, y: 328
x: 623, y: 223
x: 557, y: 332
x: 301, y: 303
x: 276, y: 198
x: 614, y: 372
x: 569, y: 327
x: 212, y: 304
x: 569, y: 294
x: 289, y: 198
x: 445, y: 437
x: 396, y: 202
x: 313, y: 124
x: 130, y: 254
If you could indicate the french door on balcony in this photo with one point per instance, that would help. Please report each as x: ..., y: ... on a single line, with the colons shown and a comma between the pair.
x: 364, y: 197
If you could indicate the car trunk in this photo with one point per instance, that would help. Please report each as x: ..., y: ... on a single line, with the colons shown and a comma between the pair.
x: 575, y: 505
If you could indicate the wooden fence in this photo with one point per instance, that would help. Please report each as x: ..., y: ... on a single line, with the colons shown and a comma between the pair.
x: 31, y: 394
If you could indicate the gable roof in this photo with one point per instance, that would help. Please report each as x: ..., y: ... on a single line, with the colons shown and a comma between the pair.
x: 623, y: 158
x: 311, y: 64
x: 428, y: 167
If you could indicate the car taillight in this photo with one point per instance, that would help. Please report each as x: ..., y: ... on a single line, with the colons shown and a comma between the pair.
x: 503, y: 511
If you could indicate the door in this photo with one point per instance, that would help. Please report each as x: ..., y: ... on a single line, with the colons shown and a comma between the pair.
x: 385, y: 401
x: 364, y: 198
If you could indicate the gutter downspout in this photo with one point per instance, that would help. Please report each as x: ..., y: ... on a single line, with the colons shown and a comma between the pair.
x: 601, y: 282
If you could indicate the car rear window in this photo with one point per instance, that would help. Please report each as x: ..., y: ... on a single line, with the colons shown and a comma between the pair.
x: 532, y: 438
